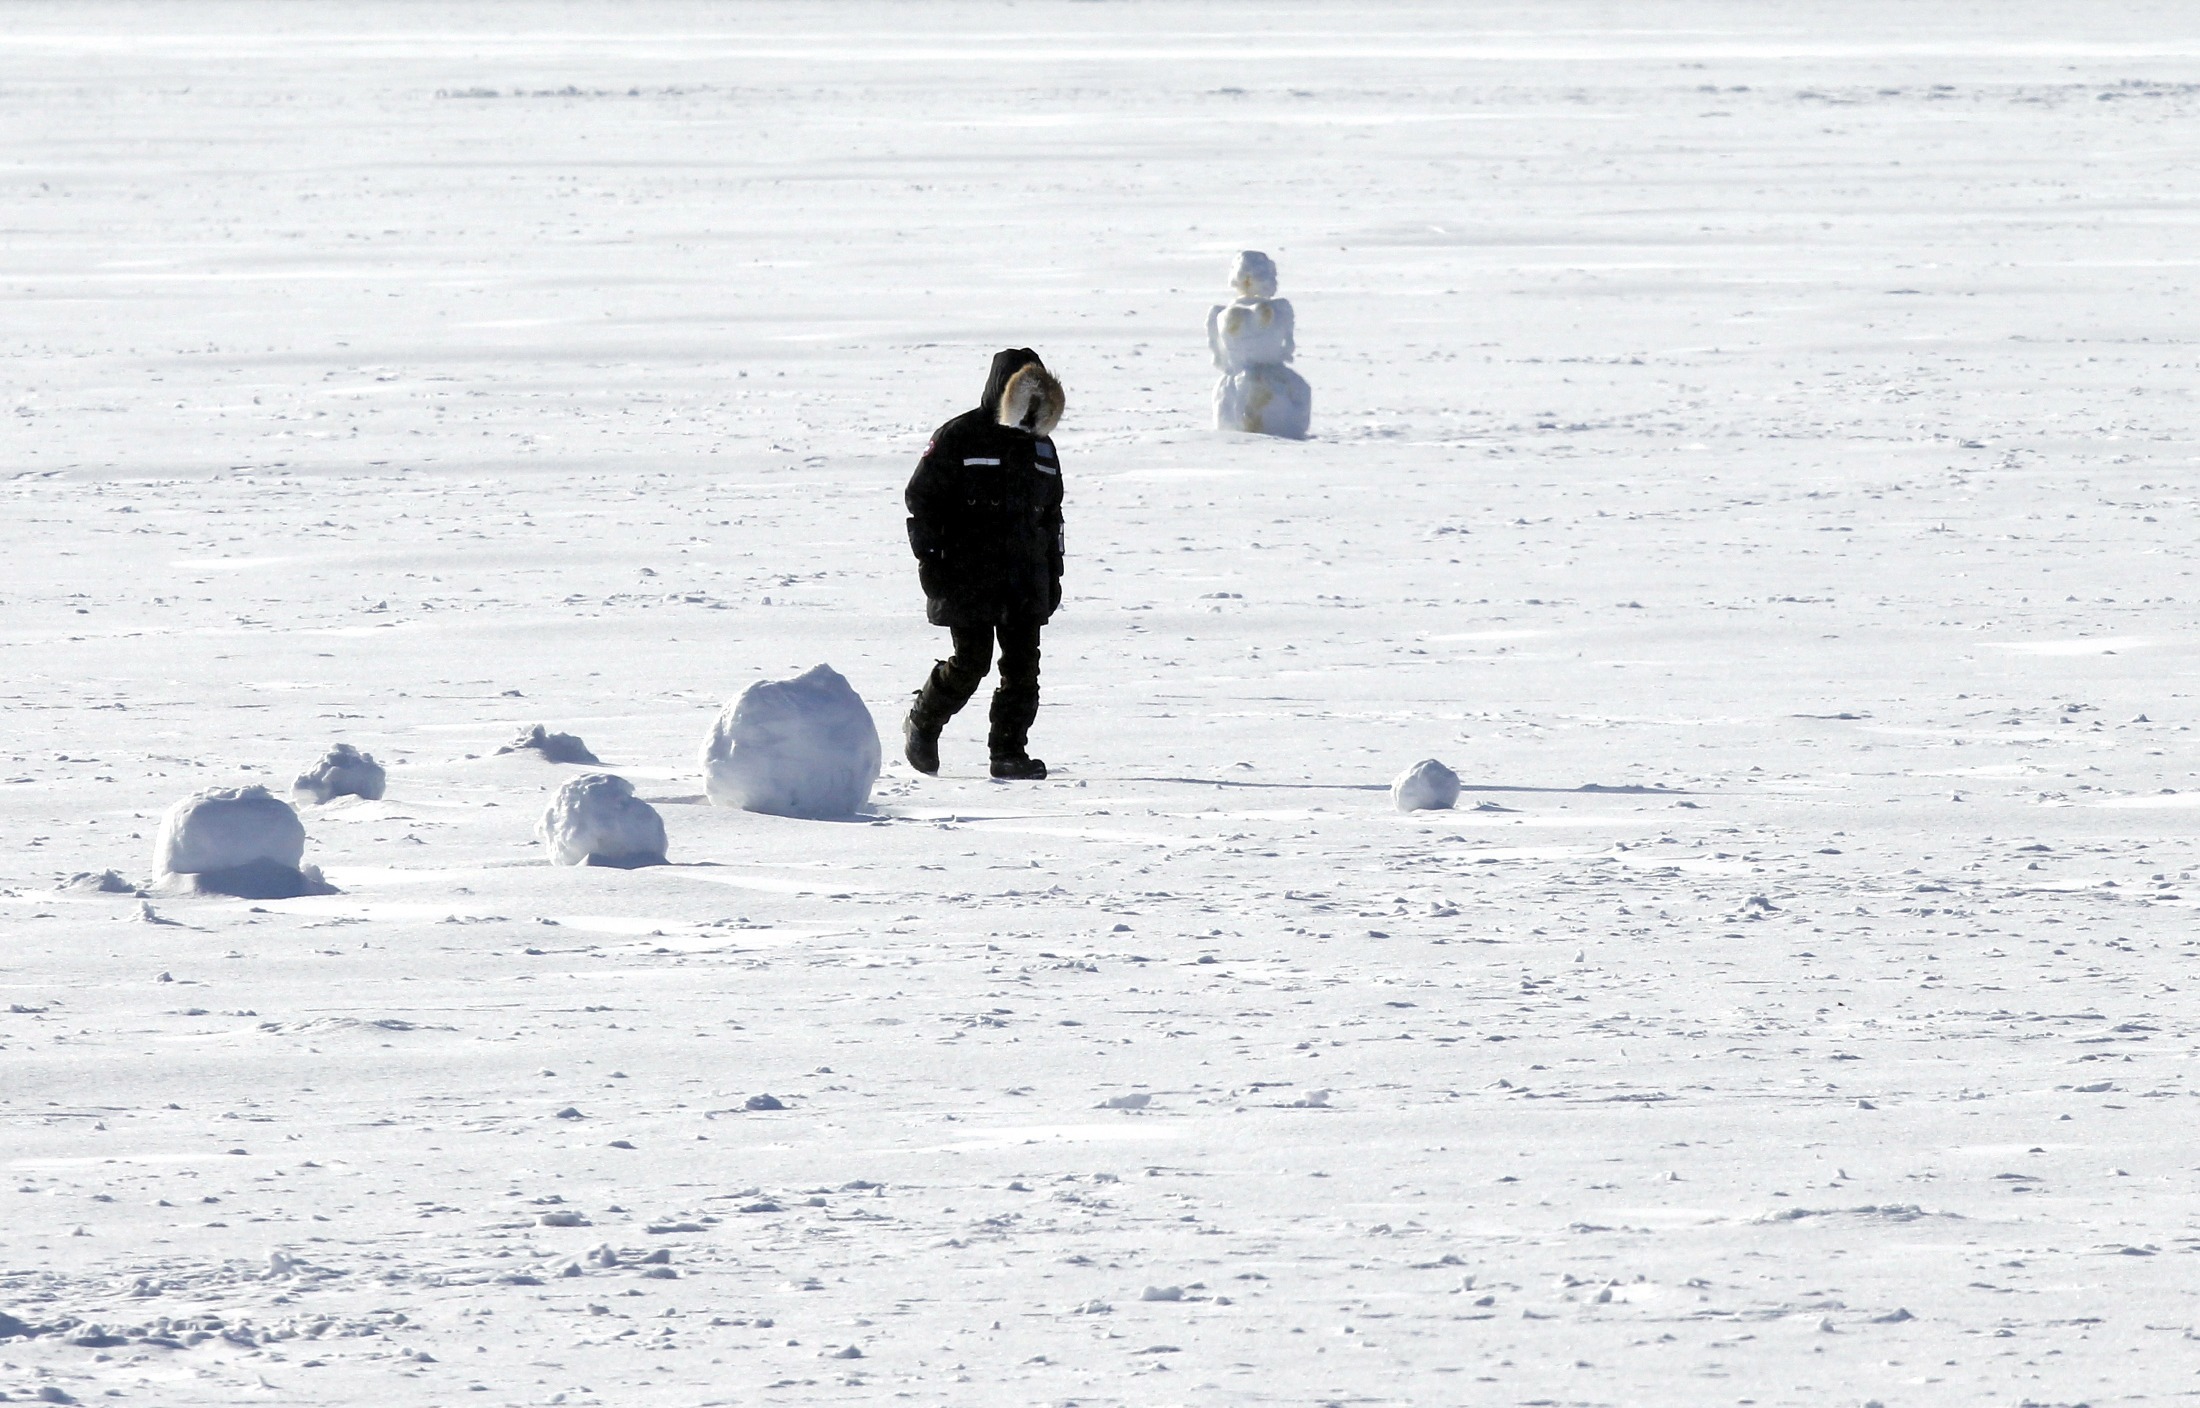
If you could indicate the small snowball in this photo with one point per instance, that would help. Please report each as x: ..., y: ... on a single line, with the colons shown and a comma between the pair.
x: 105, y: 882
x: 343, y: 771
x: 1427, y: 786
x: 597, y: 820
x: 803, y: 747
x: 241, y: 841
x: 554, y: 747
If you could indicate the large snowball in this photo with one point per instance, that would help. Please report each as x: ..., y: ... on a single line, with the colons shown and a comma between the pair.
x: 343, y: 771
x: 240, y: 841
x: 801, y: 747
x: 1427, y: 786
x: 597, y: 820
x: 222, y: 828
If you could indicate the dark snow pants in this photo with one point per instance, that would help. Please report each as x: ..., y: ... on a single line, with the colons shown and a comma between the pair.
x: 1015, y: 699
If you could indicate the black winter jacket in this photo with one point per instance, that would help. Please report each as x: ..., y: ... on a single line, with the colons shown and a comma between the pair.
x: 985, y: 515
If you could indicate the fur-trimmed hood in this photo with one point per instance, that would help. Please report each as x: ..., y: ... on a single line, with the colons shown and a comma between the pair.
x: 1006, y: 363
x: 1032, y: 401
x: 1042, y: 393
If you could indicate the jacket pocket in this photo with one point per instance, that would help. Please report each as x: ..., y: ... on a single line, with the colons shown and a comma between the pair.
x: 933, y: 576
x: 924, y: 540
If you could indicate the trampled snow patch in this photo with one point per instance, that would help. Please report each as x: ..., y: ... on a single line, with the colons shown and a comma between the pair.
x: 803, y: 747
x: 1427, y: 786
x: 597, y: 820
x: 343, y: 771
x: 242, y: 841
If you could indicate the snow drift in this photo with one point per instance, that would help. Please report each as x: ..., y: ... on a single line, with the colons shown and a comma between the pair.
x: 554, y: 747
x: 242, y: 841
x: 1427, y: 786
x: 597, y: 820
x: 343, y: 771
x: 802, y: 747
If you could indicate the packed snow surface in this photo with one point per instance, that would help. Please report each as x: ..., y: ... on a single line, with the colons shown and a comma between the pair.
x: 596, y: 819
x: 343, y: 771
x: 1427, y: 786
x: 804, y: 747
x: 1777, y: 418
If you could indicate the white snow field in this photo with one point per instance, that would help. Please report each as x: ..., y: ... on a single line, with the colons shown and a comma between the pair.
x: 1756, y: 449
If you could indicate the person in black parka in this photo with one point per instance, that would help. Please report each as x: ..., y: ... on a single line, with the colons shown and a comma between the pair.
x: 985, y: 521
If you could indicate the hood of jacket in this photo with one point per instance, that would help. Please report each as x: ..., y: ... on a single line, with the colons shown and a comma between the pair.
x: 1006, y: 363
x: 1032, y: 402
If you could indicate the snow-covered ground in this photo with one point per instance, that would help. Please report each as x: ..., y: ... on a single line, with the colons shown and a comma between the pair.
x: 1754, y: 446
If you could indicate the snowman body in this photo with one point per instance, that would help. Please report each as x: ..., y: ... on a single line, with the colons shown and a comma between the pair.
x: 1251, y: 339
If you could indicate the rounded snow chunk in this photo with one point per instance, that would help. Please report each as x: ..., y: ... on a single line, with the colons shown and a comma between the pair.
x: 343, y: 771
x: 1427, y: 786
x: 241, y: 841
x: 104, y: 882
x: 597, y: 820
x: 804, y: 747
x: 554, y: 747
x: 221, y: 828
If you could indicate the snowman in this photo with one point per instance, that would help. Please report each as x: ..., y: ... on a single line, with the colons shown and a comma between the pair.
x: 1251, y: 340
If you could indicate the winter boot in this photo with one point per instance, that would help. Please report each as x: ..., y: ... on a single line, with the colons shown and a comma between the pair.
x: 1017, y: 767
x: 945, y: 690
x: 1015, y: 705
x: 920, y: 742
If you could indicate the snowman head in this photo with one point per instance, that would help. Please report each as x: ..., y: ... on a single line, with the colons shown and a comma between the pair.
x: 1255, y: 275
